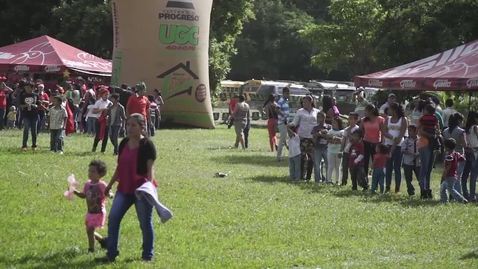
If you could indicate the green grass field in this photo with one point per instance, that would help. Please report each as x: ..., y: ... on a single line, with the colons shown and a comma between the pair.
x: 254, y: 218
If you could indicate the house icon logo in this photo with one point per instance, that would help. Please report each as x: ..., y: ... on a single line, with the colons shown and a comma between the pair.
x: 180, y: 4
x: 186, y: 67
x: 178, y: 80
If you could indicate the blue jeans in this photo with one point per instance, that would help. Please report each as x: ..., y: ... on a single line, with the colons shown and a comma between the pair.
x: 448, y: 185
x: 144, y: 210
x: 426, y: 159
x: 30, y: 125
x: 56, y: 140
x: 394, y: 163
x: 90, y: 125
x: 115, y: 130
x: 378, y: 177
x: 472, y: 164
x: 41, y: 121
x: 319, y: 155
x: 294, y: 167
x: 3, y: 111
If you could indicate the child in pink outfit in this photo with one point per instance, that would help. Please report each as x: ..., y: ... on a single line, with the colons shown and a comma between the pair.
x: 94, y: 193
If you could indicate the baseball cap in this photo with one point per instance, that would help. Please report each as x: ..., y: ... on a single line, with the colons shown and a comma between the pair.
x: 391, y: 95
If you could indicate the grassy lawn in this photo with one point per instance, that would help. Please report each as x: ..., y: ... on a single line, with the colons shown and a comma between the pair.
x: 253, y: 219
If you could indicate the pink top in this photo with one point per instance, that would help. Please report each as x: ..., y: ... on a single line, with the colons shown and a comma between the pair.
x: 372, y: 131
x: 127, y: 176
x: 95, y: 196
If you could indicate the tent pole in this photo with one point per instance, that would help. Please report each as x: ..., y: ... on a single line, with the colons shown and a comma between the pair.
x: 470, y: 93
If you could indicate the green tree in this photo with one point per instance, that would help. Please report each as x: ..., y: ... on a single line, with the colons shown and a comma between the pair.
x: 22, y: 20
x: 348, y: 42
x: 227, y: 20
x: 270, y: 46
x: 85, y: 24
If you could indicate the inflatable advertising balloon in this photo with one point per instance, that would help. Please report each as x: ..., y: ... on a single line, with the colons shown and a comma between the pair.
x: 165, y: 44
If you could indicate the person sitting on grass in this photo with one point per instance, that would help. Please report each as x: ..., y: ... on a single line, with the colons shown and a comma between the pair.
x: 449, y: 176
x: 94, y: 193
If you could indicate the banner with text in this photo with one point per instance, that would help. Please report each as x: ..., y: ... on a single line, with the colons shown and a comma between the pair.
x: 166, y: 44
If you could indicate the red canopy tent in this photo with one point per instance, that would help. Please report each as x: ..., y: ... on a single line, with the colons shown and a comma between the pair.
x: 48, y: 55
x: 453, y: 70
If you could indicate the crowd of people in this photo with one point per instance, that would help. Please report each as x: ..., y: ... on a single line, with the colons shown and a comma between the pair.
x: 76, y: 107
x: 381, y: 143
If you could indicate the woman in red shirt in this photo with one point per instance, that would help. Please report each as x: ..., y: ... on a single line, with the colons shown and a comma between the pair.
x: 136, y: 158
x: 371, y: 126
x: 4, y: 89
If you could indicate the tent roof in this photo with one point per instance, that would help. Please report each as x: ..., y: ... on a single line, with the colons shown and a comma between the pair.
x: 46, y: 54
x: 454, y: 69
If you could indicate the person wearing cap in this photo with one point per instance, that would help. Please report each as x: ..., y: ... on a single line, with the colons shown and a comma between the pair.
x: 100, y: 110
x: 384, y: 108
x: 360, y: 102
x: 139, y: 103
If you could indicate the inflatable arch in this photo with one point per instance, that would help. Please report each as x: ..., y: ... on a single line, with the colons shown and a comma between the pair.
x: 166, y: 45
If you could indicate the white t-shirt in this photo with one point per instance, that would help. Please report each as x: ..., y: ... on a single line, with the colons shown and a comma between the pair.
x: 447, y: 112
x: 294, y: 146
x: 306, y: 121
x: 90, y: 113
x: 335, y: 148
x: 100, y: 104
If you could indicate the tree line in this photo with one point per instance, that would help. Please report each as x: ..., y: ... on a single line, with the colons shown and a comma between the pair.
x: 274, y: 39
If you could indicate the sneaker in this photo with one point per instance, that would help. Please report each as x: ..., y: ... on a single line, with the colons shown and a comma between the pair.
x: 465, y: 201
x: 24, y: 148
x: 279, y: 159
x: 34, y: 148
x: 61, y: 152
x: 93, y: 149
x: 91, y: 250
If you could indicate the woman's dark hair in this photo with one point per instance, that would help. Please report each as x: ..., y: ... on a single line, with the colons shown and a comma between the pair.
x: 339, y: 122
x: 423, y: 103
x: 358, y: 133
x: 470, y: 121
x: 151, y: 98
x: 242, y: 98
x: 271, y: 98
x: 449, y: 103
x: 311, y: 99
x: 100, y: 166
x: 373, y: 110
x: 430, y: 109
x: 326, y: 103
x: 398, y: 109
x: 454, y: 121
x: 383, y: 149
x: 140, y: 120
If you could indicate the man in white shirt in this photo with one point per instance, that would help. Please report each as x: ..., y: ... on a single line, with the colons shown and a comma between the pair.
x: 360, y: 102
x: 384, y: 108
x: 448, y: 111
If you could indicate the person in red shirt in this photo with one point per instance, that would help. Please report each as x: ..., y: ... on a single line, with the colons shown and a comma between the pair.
x: 379, y: 162
x: 139, y: 103
x: 449, y: 176
x: 4, y: 90
x: 356, y: 161
x: 232, y: 107
x: 44, y: 101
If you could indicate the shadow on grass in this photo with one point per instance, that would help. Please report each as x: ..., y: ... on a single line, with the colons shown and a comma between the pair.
x: 250, y: 160
x: 272, y: 180
x: 471, y: 255
x: 62, y: 259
